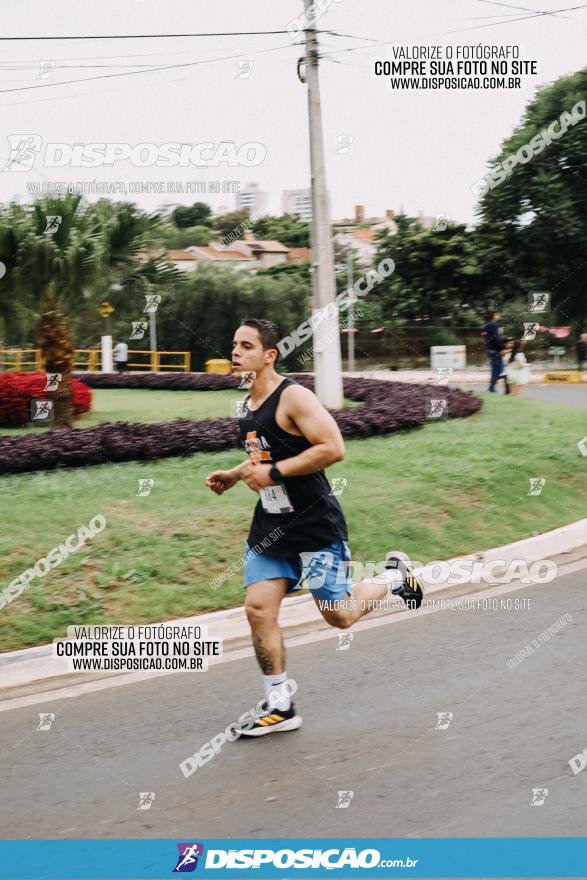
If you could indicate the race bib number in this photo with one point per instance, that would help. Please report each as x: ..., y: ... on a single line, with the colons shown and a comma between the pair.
x: 275, y: 499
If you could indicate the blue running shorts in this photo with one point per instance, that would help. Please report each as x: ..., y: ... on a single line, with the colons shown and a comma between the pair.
x: 326, y: 577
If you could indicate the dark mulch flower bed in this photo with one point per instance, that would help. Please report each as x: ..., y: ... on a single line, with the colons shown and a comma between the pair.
x: 388, y: 406
x: 159, y: 381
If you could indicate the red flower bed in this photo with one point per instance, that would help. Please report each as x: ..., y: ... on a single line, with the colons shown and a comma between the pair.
x: 18, y: 389
x: 387, y: 407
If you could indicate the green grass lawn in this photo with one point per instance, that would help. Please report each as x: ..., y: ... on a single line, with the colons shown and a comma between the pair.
x: 142, y: 405
x: 450, y: 487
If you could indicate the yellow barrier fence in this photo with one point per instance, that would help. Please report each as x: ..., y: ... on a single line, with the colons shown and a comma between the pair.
x: 26, y: 359
x: 563, y: 376
x: 20, y: 359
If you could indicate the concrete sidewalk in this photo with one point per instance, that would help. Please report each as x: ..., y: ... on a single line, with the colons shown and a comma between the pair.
x: 35, y: 670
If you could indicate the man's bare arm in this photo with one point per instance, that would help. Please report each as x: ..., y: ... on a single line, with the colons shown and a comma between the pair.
x: 318, y: 427
x: 221, y: 481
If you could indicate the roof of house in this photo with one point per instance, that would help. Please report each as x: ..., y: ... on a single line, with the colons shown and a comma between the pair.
x: 299, y: 255
x: 175, y: 255
x: 214, y: 254
x: 274, y: 247
x: 148, y: 255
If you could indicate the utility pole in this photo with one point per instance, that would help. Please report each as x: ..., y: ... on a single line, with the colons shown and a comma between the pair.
x: 327, y: 359
x: 351, y: 327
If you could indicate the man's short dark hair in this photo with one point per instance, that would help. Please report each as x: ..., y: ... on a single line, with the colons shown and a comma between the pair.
x: 492, y: 314
x: 268, y: 332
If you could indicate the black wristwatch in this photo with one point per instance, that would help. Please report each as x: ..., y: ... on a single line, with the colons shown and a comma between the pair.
x: 276, y: 474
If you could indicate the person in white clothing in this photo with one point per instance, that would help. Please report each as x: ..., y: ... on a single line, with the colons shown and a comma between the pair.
x: 517, y: 369
x: 121, y: 356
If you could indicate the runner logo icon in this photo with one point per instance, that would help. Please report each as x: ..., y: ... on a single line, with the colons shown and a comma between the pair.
x: 187, y: 860
x: 316, y: 566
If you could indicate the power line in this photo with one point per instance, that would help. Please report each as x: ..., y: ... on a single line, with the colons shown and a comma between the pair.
x: 144, y: 36
x: 511, y: 15
x: 460, y: 30
x: 348, y: 36
x: 512, y: 20
x: 139, y: 72
x: 138, y: 85
x: 33, y: 63
x: 35, y: 66
x: 29, y: 64
x: 519, y: 8
x: 145, y: 54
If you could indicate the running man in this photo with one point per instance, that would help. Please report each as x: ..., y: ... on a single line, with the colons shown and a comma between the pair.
x: 298, y: 529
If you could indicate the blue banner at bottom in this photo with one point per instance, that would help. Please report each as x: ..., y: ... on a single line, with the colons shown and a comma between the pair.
x: 380, y: 858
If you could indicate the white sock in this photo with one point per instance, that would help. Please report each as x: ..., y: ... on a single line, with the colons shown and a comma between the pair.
x: 275, y: 694
x: 392, y: 578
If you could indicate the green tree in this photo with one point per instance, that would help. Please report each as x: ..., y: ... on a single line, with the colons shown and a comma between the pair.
x: 198, y: 214
x: 64, y: 256
x: 296, y: 270
x: 17, y: 305
x: 48, y: 242
x: 341, y: 262
x: 539, y: 212
x: 89, y: 253
x: 287, y: 229
x: 236, y: 222
x: 206, y: 306
x: 196, y: 236
x: 119, y: 231
x: 439, y: 275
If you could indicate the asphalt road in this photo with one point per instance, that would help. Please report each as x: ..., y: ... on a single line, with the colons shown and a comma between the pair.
x: 575, y: 395
x: 370, y: 727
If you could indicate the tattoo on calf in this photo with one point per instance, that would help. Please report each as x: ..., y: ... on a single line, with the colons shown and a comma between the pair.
x: 264, y: 659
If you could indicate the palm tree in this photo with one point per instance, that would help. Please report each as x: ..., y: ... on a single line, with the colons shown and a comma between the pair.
x: 57, y: 355
x: 87, y: 251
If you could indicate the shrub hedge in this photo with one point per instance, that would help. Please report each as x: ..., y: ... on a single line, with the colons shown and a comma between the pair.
x: 388, y: 406
x: 17, y: 390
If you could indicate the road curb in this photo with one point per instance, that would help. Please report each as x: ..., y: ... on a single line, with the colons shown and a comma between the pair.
x: 35, y: 669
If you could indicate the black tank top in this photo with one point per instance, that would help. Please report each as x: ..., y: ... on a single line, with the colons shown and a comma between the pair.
x: 317, y: 520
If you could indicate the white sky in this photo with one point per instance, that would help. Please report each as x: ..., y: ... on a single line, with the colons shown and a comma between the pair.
x: 422, y: 150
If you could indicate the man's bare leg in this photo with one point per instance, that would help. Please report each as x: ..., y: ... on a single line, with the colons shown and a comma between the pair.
x: 365, y: 596
x: 262, y: 604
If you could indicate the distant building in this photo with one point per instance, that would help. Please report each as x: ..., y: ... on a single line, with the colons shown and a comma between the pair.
x: 252, y: 200
x: 183, y: 260
x: 348, y: 224
x: 362, y: 241
x: 247, y: 253
x: 188, y: 259
x: 265, y: 253
x: 299, y: 255
x: 297, y: 202
x: 215, y: 253
x: 361, y: 232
